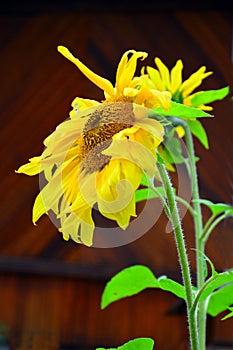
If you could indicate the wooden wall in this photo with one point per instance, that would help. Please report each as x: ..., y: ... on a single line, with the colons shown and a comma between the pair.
x: 44, y: 301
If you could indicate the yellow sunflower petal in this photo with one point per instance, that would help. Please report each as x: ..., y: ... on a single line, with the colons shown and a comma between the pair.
x: 187, y: 101
x: 38, y: 208
x: 86, y: 194
x: 158, y: 82
x: 180, y: 131
x: 164, y: 72
x: 131, y: 172
x: 143, y: 96
x: 130, y: 92
x: 59, y: 184
x: 176, y: 76
x: 31, y: 168
x: 116, y: 189
x: 123, y: 217
x: 102, y: 83
x: 106, y: 181
x: 126, y: 69
x: 133, y: 151
x: 194, y: 81
x: 65, y: 134
x: 140, y: 112
x: 80, y: 104
x: 153, y: 127
x: 79, y: 230
x: 161, y: 98
x: 205, y: 108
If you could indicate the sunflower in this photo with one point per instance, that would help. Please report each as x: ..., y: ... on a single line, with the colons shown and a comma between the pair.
x: 182, y: 91
x: 99, y: 155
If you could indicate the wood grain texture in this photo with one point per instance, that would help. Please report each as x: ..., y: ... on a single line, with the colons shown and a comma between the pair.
x: 37, y: 87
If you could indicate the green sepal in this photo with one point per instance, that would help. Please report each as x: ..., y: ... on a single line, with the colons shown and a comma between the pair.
x: 204, y: 97
x: 198, y: 130
x: 135, y: 279
x: 216, y: 208
x: 181, y: 111
x: 135, y: 344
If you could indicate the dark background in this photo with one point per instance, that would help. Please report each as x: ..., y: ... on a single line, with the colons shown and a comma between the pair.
x: 50, y: 289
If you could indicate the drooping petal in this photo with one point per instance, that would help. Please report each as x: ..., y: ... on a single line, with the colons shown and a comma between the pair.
x: 116, y: 189
x: 131, y: 172
x: 126, y: 69
x: 86, y: 192
x: 39, y: 208
x: 31, y: 168
x: 65, y: 134
x: 106, y: 181
x: 79, y: 230
x: 138, y: 154
x: 122, y: 217
x: 154, y: 131
x: 118, y: 179
x: 102, y: 83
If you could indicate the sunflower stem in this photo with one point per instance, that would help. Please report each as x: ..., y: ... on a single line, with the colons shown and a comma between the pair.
x: 200, y: 244
x: 212, y: 226
x: 182, y: 254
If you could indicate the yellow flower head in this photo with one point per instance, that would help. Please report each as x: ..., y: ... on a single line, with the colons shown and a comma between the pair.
x: 97, y: 157
x: 182, y: 91
x: 127, y: 87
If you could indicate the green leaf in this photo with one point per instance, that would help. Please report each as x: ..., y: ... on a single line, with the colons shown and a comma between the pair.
x: 128, y: 282
x: 197, y: 130
x: 135, y: 279
x: 135, y: 344
x: 220, y: 300
x: 228, y: 315
x: 216, y: 208
x: 209, y: 96
x: 181, y: 111
x: 220, y: 280
x: 172, y: 286
x: 149, y: 193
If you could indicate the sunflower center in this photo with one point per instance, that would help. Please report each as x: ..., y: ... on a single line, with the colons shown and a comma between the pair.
x: 106, y: 121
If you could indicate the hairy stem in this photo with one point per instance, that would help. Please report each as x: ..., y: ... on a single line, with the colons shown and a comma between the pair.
x: 200, y: 245
x: 212, y: 226
x: 183, y: 258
